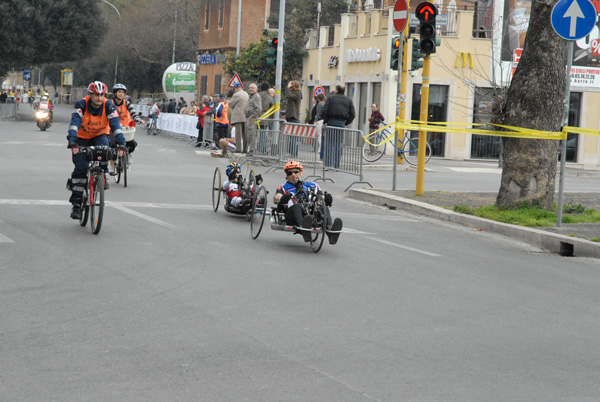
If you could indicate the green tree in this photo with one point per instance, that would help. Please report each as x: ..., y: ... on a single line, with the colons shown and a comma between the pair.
x: 35, y: 32
x: 534, y: 100
x: 251, y: 65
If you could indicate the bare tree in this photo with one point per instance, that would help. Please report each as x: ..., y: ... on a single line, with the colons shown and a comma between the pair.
x: 534, y: 100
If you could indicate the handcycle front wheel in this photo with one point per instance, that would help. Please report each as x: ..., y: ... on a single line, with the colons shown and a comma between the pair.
x: 97, y: 204
x: 319, y: 225
x: 258, y: 212
x: 374, y: 149
x: 250, y: 182
x: 216, y: 189
x: 410, y: 151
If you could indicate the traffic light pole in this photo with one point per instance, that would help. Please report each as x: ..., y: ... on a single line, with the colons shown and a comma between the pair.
x: 401, y: 100
x: 423, y: 119
x: 279, y: 65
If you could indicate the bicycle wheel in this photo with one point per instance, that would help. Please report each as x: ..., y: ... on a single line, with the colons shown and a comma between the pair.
x: 118, y: 169
x: 216, y: 189
x: 85, y: 209
x: 97, y: 204
x: 250, y: 182
x: 258, y: 212
x: 372, y: 153
x: 410, y: 151
x: 124, y: 167
x: 319, y: 224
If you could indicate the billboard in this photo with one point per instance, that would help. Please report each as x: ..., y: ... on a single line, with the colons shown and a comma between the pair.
x: 179, y: 80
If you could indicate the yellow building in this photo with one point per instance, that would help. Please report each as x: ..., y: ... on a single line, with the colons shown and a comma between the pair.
x: 466, y: 75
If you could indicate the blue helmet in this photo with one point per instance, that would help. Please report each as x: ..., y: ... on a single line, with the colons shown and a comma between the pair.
x: 232, y: 169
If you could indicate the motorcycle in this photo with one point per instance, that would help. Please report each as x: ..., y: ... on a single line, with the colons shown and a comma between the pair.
x: 42, y: 119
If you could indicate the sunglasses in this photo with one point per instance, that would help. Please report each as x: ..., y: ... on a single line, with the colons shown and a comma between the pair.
x: 289, y: 172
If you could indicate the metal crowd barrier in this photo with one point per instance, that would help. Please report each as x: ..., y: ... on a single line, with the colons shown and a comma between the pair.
x: 8, y: 110
x: 208, y: 132
x: 342, y: 151
x: 299, y: 142
x: 267, y: 140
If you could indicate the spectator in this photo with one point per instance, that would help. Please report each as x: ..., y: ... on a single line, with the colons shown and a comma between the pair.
x: 238, y: 118
x: 179, y: 105
x: 3, y: 97
x: 313, y: 112
x: 253, y: 111
x: 266, y: 99
x: 293, y: 95
x: 200, y: 126
x: 338, y: 111
x: 172, y: 106
x: 192, y: 109
x: 375, y: 119
x: 319, y: 122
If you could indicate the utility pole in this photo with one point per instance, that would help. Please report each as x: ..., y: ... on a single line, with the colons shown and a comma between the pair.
x: 117, y: 57
x: 423, y: 119
x: 279, y: 65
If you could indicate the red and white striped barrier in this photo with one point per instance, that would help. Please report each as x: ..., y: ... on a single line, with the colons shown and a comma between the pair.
x: 300, y: 130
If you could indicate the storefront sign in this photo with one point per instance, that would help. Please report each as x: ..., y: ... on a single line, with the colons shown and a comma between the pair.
x: 362, y: 55
x: 207, y: 59
x: 333, y: 62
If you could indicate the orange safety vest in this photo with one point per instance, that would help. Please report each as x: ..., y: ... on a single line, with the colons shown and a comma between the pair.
x: 93, y: 126
x: 223, y: 119
x: 124, y: 116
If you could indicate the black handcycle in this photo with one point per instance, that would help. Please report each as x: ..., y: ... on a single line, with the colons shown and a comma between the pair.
x: 247, y: 187
x: 312, y: 204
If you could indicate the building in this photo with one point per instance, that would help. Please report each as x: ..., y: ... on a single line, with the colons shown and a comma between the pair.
x: 218, y: 37
x: 467, y: 71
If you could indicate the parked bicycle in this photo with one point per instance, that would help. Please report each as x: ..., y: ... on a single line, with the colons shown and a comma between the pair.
x: 92, y: 201
x: 375, y: 145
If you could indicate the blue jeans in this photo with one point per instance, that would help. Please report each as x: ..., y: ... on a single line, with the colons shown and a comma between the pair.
x: 78, y: 176
x: 333, y: 143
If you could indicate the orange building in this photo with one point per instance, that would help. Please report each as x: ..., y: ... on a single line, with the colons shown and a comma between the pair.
x: 218, y: 37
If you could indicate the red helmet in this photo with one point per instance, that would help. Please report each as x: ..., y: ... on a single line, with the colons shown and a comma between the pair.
x: 98, y: 88
x: 293, y: 165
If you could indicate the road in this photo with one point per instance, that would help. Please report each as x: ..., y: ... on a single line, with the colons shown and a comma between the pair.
x: 174, y: 302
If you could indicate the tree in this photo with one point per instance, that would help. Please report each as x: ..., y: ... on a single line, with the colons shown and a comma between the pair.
x: 250, y: 63
x: 534, y: 100
x: 45, y: 31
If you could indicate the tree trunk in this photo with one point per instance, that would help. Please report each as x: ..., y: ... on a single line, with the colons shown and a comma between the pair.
x: 534, y: 100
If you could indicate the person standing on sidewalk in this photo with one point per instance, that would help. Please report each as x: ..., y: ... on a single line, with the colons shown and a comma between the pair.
x: 376, y: 118
x: 253, y: 111
x: 237, y: 104
x: 293, y: 94
x: 338, y: 112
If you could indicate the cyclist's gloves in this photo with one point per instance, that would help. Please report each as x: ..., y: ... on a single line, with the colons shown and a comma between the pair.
x: 259, y: 179
x: 328, y: 199
x: 285, y: 199
x: 72, y: 145
x: 121, y: 147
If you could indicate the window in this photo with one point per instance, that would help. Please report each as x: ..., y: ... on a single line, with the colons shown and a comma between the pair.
x: 207, y: 15
x: 203, y: 85
x: 574, y: 117
x: 217, y: 83
x: 484, y: 146
x: 221, y: 13
x: 438, y: 104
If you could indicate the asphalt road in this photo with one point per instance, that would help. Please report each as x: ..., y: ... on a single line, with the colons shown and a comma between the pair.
x: 174, y: 302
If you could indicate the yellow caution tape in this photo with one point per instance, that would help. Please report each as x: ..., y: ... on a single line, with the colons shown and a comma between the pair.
x: 268, y: 113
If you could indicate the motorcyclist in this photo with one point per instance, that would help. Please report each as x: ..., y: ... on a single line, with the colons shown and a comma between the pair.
x: 126, y: 114
x: 291, y: 194
x: 46, y: 104
x: 91, y: 122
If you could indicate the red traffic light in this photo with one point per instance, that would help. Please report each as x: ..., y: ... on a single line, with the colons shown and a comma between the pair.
x: 396, y: 43
x: 426, y: 11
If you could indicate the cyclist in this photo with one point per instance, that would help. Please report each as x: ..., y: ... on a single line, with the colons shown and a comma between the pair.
x: 126, y: 116
x: 154, y: 112
x: 291, y: 194
x: 236, y: 200
x: 91, y: 122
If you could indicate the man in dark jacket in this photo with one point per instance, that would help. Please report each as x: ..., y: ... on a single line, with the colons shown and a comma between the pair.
x: 172, y: 106
x: 338, y: 112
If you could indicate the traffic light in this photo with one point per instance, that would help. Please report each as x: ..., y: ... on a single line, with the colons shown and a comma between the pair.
x: 272, y: 51
x: 426, y: 13
x: 395, y: 53
x: 416, y: 55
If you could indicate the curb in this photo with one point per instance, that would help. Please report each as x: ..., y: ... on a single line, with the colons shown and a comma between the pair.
x: 554, y: 242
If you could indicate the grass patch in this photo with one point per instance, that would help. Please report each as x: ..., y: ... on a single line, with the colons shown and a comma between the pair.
x: 532, y: 216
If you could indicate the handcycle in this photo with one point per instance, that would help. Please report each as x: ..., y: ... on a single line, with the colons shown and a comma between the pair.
x: 375, y: 143
x: 247, y: 186
x: 92, y: 201
x: 312, y: 204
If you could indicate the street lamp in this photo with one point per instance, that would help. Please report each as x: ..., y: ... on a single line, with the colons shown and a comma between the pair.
x: 117, y: 61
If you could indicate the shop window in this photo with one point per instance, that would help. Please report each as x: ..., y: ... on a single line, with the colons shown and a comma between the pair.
x: 484, y: 146
x: 437, y: 111
x: 574, y: 120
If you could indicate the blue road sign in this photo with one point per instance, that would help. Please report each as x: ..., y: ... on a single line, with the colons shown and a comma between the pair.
x: 573, y: 19
x: 26, y: 75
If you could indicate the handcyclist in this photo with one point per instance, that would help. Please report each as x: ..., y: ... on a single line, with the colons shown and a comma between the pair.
x: 238, y: 201
x: 291, y: 194
x: 126, y: 116
x: 91, y: 122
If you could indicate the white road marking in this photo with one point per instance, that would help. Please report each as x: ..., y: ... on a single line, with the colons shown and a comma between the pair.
x: 389, y: 243
x: 4, y: 239
x: 146, y: 217
x: 108, y: 203
x: 476, y: 170
x: 354, y: 231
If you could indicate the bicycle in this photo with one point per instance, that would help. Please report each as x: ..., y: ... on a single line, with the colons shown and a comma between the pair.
x: 375, y: 143
x: 92, y: 201
x: 122, y: 162
x: 152, y: 129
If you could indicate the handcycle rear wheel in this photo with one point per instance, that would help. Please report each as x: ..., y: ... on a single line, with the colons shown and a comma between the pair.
x: 320, y: 224
x: 372, y: 153
x: 410, y: 151
x: 258, y: 212
x: 97, y: 204
x: 216, y: 189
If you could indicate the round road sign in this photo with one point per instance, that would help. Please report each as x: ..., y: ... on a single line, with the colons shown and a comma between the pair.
x: 400, y: 15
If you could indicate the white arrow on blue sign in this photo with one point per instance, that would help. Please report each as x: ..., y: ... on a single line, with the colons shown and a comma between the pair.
x: 573, y: 19
x: 26, y: 75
